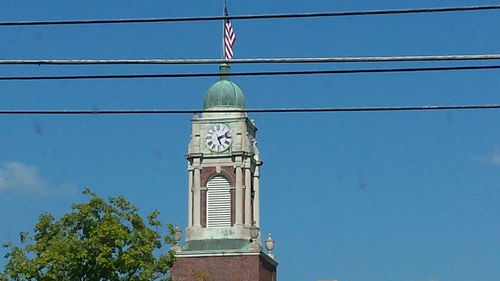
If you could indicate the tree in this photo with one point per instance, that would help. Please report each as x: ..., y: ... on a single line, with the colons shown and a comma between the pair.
x: 97, y: 241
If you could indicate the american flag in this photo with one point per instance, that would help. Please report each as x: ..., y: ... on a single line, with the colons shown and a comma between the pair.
x: 229, y: 39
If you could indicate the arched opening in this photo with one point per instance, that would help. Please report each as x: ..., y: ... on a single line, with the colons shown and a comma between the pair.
x: 218, y: 202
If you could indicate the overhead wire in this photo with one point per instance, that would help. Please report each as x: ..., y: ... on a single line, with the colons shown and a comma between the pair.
x: 258, y: 60
x: 262, y: 60
x: 261, y: 73
x: 249, y: 17
x: 254, y: 60
x: 272, y: 110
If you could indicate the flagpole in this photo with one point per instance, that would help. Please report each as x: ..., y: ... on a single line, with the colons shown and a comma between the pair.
x: 224, y: 9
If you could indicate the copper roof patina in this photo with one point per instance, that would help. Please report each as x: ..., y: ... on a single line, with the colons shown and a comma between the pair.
x: 224, y: 93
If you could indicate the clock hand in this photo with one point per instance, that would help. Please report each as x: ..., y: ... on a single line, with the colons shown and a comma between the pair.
x: 220, y: 137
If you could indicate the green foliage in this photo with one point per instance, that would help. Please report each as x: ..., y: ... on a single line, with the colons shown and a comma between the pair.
x: 96, y: 241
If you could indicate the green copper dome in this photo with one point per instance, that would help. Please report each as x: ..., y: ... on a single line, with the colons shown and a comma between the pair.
x: 224, y: 93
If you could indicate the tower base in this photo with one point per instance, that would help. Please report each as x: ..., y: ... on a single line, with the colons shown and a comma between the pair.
x: 237, y: 266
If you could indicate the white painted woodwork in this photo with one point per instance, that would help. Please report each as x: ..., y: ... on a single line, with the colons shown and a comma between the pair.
x: 197, y: 198
x: 190, y: 198
x: 256, y: 201
x: 248, y: 198
x: 239, y: 196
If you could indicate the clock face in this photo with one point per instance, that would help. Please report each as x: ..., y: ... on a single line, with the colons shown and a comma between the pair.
x: 218, y: 137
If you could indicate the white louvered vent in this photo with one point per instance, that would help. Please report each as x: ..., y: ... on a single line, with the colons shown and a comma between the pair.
x: 218, y: 202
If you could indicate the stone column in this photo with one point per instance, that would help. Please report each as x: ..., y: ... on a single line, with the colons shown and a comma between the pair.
x: 256, y: 198
x: 248, y: 198
x: 190, y: 198
x: 197, y: 198
x: 239, y: 197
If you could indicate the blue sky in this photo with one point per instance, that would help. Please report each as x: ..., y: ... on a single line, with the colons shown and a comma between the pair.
x: 390, y: 196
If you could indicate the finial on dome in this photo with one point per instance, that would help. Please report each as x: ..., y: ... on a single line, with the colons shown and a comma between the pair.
x: 224, y: 70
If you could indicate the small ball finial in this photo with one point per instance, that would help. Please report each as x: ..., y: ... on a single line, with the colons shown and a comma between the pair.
x: 177, y: 237
x: 270, y: 246
x: 254, y: 234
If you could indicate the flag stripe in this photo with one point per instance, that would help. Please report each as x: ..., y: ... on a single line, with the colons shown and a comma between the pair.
x: 229, y: 40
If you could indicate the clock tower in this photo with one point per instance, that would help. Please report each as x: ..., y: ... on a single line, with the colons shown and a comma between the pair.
x: 222, y: 238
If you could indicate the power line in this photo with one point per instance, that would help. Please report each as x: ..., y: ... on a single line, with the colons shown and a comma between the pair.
x: 268, y: 73
x: 248, y: 17
x: 274, y: 110
x: 256, y: 60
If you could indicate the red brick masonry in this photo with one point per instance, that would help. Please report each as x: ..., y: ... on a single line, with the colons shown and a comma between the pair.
x: 223, y: 268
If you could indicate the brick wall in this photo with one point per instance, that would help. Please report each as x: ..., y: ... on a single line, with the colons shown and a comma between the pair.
x: 223, y: 268
x: 206, y: 174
